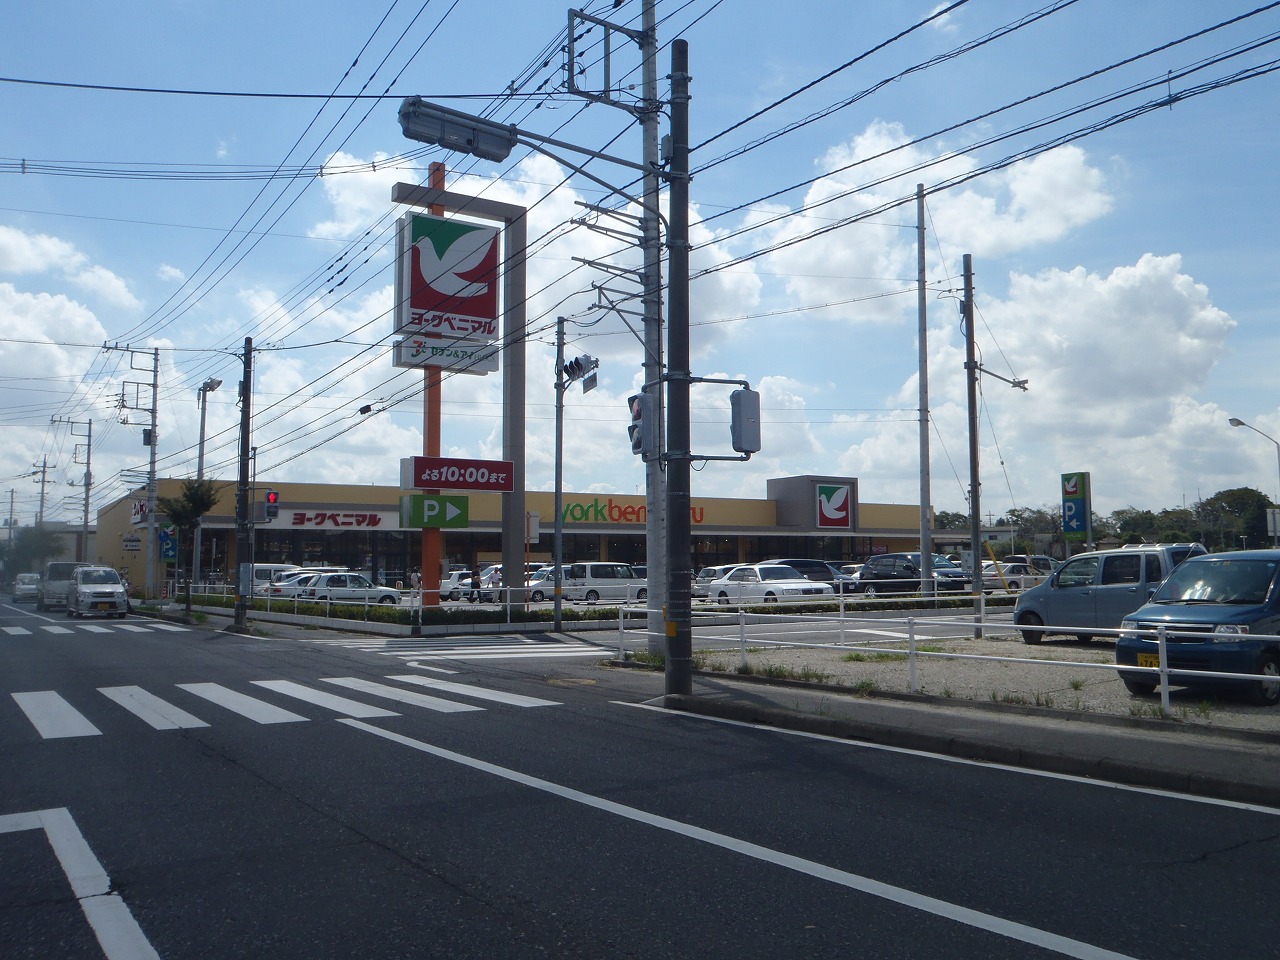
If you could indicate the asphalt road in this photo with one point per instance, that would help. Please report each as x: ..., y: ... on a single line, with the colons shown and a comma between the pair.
x: 189, y: 794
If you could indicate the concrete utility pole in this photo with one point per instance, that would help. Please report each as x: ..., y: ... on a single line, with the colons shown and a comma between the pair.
x: 679, y: 670
x: 244, y: 548
x: 43, y: 481
x: 922, y: 309
x: 82, y: 548
x: 971, y: 369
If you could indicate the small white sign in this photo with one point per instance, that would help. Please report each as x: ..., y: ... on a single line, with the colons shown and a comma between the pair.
x: 458, y: 356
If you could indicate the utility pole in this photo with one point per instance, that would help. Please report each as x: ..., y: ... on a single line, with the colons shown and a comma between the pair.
x: 679, y: 670
x: 82, y: 549
x: 244, y: 550
x: 922, y: 309
x: 43, y: 481
x: 971, y: 370
x: 11, y: 492
x: 151, y: 475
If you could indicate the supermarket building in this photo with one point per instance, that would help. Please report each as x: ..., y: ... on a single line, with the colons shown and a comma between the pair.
x: 360, y: 527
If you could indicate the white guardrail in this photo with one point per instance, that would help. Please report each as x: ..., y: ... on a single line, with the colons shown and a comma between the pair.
x: 1162, y: 673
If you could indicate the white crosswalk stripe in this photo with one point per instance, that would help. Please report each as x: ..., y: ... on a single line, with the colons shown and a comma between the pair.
x: 54, y: 717
x: 451, y: 648
x: 52, y: 629
x: 103, y: 627
x: 16, y: 631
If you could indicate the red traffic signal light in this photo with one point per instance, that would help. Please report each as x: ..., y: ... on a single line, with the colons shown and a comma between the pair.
x: 273, y: 504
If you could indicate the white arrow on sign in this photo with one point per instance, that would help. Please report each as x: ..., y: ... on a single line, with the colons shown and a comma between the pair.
x: 431, y: 507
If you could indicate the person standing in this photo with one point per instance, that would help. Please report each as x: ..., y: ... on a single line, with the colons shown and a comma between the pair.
x: 474, y: 595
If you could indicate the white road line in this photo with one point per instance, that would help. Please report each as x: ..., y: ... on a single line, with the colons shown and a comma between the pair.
x: 118, y: 933
x: 53, y: 717
x: 94, y: 628
x: 480, y: 693
x: 909, y: 898
x: 171, y: 627
x: 961, y: 761
x: 16, y: 631
x: 404, y: 696
x: 53, y: 629
x: 255, y: 710
x: 332, y: 701
x: 160, y: 714
x: 134, y: 628
x: 512, y: 655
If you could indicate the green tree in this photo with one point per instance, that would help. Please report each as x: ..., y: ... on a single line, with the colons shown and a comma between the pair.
x: 950, y: 520
x: 32, y: 546
x: 184, y: 511
x: 1133, y: 525
x: 1234, y: 518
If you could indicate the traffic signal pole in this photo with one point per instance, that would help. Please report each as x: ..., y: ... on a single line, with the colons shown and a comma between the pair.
x: 244, y: 548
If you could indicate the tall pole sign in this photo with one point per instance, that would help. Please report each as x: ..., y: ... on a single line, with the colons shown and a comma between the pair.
x: 1077, y: 509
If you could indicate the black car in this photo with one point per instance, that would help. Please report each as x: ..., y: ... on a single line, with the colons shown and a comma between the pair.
x: 900, y: 573
x: 822, y: 572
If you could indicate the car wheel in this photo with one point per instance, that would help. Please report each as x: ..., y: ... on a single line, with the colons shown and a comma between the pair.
x: 1139, y: 687
x: 870, y: 590
x: 770, y: 598
x: 1267, y: 692
x: 537, y: 596
x: 723, y: 599
x: 1014, y: 585
x: 642, y: 594
x: 390, y: 598
x: 455, y: 595
x: 120, y: 615
x: 1085, y: 638
x: 1027, y: 622
x: 592, y: 596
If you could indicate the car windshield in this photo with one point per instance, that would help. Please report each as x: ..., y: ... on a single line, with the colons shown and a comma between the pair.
x: 28, y: 578
x: 99, y: 576
x: 940, y: 561
x: 778, y: 573
x: 1244, y: 581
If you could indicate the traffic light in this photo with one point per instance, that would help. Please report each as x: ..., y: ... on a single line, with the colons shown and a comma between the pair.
x: 744, y: 421
x: 273, y: 504
x: 579, y: 367
x: 643, y: 429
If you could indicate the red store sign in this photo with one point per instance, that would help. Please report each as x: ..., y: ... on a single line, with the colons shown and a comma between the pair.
x: 450, y: 473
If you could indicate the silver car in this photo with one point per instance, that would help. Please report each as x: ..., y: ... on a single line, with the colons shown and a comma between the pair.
x: 26, y: 587
x: 765, y: 583
x: 96, y: 590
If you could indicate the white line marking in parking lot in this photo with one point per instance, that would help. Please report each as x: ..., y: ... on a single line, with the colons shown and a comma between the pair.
x: 53, y: 717
x: 909, y: 898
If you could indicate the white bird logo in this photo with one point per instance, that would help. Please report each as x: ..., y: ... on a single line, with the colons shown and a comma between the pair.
x: 443, y: 274
x: 834, y: 508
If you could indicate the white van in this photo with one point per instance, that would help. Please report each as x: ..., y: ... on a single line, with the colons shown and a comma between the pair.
x: 603, y: 580
x: 264, y: 573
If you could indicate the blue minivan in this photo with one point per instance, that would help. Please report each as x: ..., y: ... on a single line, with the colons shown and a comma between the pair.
x: 1221, y: 613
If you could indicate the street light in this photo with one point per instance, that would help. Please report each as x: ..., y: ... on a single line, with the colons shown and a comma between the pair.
x: 203, y: 391
x: 1237, y: 422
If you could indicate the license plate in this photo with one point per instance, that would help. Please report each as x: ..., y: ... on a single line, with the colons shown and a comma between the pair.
x: 1149, y: 660
x: 104, y: 606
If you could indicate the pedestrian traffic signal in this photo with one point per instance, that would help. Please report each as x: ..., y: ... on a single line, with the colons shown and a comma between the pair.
x: 643, y: 429
x: 273, y: 504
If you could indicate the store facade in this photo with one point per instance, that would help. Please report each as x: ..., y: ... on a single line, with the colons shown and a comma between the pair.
x: 359, y: 527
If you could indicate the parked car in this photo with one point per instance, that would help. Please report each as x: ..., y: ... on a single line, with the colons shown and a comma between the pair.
x: 822, y: 572
x: 851, y: 569
x: 1009, y: 576
x: 603, y: 580
x: 1091, y: 590
x: 52, y: 591
x: 900, y: 573
x: 287, y: 587
x: 348, y: 588
x: 541, y: 585
x: 765, y: 583
x: 1039, y: 561
x: 706, y: 575
x: 455, y: 584
x: 96, y: 590
x: 26, y: 587
x: 1221, y: 613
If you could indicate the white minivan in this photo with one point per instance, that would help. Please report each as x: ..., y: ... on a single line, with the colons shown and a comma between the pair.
x: 603, y: 580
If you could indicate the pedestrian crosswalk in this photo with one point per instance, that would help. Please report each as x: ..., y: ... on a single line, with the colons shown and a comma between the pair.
x: 113, y: 626
x: 488, y: 647
x: 186, y: 706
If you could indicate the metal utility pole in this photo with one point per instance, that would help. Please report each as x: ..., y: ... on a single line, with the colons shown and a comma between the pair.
x: 679, y: 669
x: 203, y: 391
x: 244, y: 549
x: 922, y: 309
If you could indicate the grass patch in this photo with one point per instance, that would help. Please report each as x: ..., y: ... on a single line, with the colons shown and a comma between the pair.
x: 777, y: 672
x: 653, y: 659
x: 864, y: 688
x: 1077, y: 683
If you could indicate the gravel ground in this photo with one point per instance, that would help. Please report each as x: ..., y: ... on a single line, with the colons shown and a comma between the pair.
x: 1075, y: 679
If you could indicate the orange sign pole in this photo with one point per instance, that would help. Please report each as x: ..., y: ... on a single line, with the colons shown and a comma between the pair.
x: 432, y: 537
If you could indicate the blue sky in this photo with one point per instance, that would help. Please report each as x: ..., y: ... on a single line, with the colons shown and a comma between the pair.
x: 1128, y: 274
